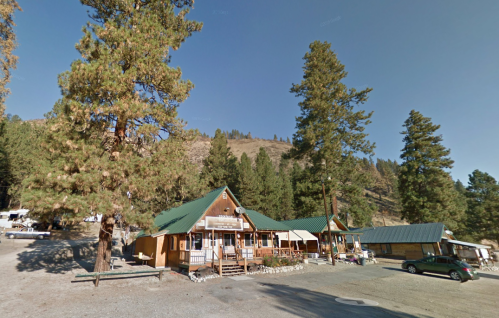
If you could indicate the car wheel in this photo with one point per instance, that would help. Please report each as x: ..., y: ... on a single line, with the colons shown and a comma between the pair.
x: 40, y: 237
x: 455, y: 276
x: 412, y: 269
x: 11, y: 236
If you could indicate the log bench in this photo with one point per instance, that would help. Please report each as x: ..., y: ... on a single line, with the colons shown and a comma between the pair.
x: 98, y: 276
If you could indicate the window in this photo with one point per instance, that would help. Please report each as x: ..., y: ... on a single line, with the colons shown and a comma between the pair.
x: 173, y: 243
x: 248, y: 240
x: 441, y: 260
x: 386, y: 248
x: 429, y: 260
x: 265, y: 240
x: 428, y: 249
x: 212, y: 240
x: 229, y: 240
x: 196, y: 241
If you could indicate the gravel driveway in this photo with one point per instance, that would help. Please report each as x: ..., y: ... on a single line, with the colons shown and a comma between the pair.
x: 38, y: 281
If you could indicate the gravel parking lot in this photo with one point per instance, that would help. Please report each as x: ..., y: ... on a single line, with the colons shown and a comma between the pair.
x: 38, y: 281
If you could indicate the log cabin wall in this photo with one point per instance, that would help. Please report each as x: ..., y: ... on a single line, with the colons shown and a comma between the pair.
x: 406, y: 250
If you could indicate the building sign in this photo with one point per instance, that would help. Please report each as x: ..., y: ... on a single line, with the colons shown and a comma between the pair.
x: 223, y: 222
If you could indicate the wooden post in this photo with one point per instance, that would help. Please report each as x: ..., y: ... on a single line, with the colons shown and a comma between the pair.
x: 360, y: 244
x: 289, y: 242
x: 272, y: 241
x: 97, y: 280
x: 213, y: 248
x: 236, y: 241
x: 190, y: 248
x: 320, y: 245
x: 245, y: 266
x: 160, y: 275
x: 220, y: 266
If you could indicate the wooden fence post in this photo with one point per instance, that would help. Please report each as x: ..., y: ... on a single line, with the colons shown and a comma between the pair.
x: 97, y: 280
x: 220, y: 266
x: 245, y: 266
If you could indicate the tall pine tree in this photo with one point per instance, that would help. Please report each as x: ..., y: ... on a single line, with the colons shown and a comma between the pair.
x: 220, y: 167
x: 330, y: 133
x: 248, y: 190
x: 115, y: 142
x: 268, y: 185
x: 483, y: 206
x: 426, y: 189
x: 286, y: 211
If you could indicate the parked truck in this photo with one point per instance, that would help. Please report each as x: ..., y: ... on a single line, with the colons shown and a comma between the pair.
x: 27, y: 233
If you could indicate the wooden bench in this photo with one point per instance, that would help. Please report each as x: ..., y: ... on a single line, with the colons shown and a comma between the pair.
x: 98, y: 276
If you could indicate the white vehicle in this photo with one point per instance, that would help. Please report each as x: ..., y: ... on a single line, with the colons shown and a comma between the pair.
x: 27, y: 233
x: 14, y: 218
x: 96, y: 218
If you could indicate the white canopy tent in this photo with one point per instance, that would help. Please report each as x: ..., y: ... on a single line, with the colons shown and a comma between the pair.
x: 297, y: 236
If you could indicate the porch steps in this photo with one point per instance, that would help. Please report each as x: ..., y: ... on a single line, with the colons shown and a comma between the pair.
x: 231, y: 270
x: 319, y: 261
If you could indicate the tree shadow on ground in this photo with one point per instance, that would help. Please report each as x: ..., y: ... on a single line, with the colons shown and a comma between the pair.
x: 59, y: 256
x: 306, y: 303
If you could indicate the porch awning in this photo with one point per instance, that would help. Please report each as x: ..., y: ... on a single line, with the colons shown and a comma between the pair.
x: 305, y: 235
x: 296, y: 236
x: 468, y: 244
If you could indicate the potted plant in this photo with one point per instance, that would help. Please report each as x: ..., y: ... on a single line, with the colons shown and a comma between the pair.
x: 305, y: 258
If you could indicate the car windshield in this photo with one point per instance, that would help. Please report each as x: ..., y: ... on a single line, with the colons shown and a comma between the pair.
x: 462, y: 264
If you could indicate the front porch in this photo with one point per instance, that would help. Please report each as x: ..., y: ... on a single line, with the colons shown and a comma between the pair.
x: 193, y: 260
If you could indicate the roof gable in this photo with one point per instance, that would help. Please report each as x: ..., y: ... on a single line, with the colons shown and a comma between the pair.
x: 181, y: 219
x: 413, y: 233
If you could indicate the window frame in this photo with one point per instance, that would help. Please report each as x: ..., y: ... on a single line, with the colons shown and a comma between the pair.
x: 189, y: 248
x: 266, y: 240
x: 251, y: 239
x: 173, y: 243
x: 386, y: 248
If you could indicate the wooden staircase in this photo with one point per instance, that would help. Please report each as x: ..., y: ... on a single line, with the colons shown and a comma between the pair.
x: 230, y: 270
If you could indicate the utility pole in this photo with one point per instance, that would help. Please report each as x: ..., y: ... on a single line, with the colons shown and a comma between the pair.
x: 328, y: 225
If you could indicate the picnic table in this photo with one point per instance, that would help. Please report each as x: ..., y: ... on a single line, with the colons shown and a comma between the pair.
x: 144, y: 258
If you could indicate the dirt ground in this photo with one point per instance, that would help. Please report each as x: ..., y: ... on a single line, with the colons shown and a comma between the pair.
x: 38, y: 280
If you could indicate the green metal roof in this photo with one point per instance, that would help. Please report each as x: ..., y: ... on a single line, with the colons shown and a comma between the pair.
x: 316, y: 224
x: 414, y: 233
x: 181, y: 219
x: 263, y: 222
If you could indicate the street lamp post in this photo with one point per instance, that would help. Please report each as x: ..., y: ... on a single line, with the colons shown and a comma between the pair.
x: 328, y: 225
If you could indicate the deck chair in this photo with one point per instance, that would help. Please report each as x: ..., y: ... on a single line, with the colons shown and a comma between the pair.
x: 229, y: 251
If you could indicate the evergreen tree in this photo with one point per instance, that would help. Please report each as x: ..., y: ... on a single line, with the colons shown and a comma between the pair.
x: 220, y: 167
x: 329, y: 132
x: 8, y: 44
x: 249, y: 136
x: 286, y: 188
x: 267, y: 181
x: 426, y: 189
x: 116, y: 130
x: 21, y: 145
x: 275, y: 137
x: 483, y: 206
x: 247, y: 184
x: 307, y: 193
x: 287, y: 140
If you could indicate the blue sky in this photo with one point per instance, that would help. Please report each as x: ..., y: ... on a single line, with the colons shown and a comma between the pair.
x: 438, y: 57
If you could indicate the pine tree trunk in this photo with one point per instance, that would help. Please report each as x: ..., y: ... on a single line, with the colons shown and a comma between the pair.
x: 105, y: 244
